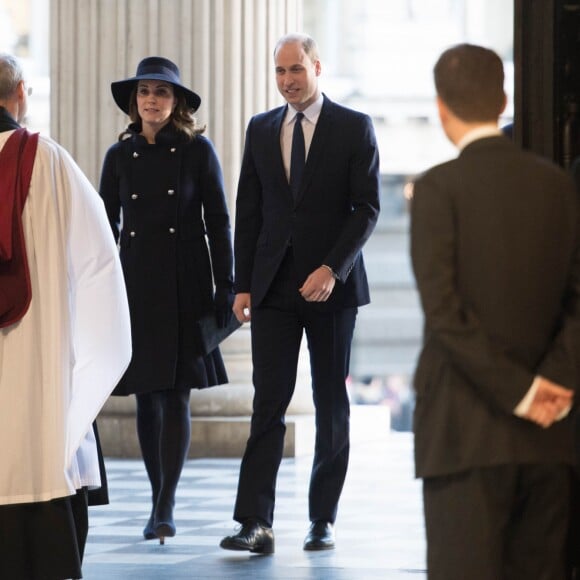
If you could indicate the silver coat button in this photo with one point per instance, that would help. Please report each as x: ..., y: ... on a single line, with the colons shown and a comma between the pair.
x: 170, y: 191
x: 134, y: 196
x: 171, y: 230
x: 135, y: 155
x: 173, y: 150
x: 132, y: 234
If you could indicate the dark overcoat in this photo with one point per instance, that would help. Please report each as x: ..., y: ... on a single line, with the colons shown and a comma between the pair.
x: 165, y: 202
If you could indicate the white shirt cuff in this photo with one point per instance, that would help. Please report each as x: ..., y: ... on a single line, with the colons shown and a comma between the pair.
x: 524, y: 405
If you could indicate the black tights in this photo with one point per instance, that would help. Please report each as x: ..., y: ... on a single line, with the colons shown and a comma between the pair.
x: 163, y: 427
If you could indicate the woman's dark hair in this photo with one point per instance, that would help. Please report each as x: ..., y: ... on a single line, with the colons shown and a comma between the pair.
x: 182, y: 117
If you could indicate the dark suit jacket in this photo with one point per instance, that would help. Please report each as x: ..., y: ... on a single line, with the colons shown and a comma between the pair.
x: 494, y: 243
x: 335, y: 213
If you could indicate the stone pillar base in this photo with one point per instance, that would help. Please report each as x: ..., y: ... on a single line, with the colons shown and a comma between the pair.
x: 226, y: 436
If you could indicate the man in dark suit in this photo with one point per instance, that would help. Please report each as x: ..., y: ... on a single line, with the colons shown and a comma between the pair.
x: 299, y: 268
x: 494, y: 244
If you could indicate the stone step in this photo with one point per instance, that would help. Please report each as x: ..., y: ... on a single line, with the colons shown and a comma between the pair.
x: 226, y: 436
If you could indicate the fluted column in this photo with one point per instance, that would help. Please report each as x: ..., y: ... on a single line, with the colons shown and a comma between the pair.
x: 224, y: 49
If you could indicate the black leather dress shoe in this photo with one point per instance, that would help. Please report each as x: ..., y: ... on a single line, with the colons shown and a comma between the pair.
x: 253, y: 537
x: 320, y: 536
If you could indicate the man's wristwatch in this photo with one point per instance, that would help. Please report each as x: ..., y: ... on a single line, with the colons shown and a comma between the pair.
x: 334, y: 274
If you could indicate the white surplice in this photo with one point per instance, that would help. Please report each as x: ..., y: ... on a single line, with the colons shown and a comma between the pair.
x: 61, y: 361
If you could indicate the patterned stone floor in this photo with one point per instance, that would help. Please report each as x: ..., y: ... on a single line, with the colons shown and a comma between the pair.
x: 379, y: 529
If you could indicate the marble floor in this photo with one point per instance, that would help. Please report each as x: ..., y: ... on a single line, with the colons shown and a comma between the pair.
x: 379, y: 529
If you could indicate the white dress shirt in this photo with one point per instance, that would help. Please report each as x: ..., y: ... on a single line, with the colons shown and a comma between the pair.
x: 311, y: 115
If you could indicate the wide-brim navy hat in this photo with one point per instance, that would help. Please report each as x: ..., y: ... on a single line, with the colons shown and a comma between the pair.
x: 155, y: 68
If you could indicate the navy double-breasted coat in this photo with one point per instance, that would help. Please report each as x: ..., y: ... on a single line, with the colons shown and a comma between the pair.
x: 165, y: 202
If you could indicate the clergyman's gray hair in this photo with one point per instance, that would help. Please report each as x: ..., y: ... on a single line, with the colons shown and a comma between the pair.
x: 10, y: 75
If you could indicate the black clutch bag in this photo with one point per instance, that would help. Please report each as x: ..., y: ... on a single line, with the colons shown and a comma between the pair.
x: 209, y: 335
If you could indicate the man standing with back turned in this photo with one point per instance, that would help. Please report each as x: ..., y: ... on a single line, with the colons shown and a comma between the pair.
x: 64, y: 343
x: 308, y: 199
x: 494, y: 244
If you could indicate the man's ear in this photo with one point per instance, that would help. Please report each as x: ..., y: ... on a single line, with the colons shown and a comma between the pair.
x: 443, y: 110
x: 317, y: 68
x: 20, y: 89
x: 504, y: 104
x: 448, y: 120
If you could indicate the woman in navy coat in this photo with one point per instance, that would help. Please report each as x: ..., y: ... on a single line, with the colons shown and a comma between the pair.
x: 163, y: 190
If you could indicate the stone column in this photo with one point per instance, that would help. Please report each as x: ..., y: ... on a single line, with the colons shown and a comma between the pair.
x: 224, y: 50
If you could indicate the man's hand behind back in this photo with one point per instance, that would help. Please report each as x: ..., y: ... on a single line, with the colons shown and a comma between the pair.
x: 551, y: 403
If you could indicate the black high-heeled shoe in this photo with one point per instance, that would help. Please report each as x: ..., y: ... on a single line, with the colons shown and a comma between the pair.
x: 164, y: 524
x: 165, y: 530
x: 149, y: 529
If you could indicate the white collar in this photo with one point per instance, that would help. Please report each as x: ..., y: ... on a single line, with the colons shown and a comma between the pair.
x: 312, y: 112
x: 487, y: 130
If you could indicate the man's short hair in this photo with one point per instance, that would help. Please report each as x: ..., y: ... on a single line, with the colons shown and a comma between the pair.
x: 308, y: 44
x: 469, y: 80
x: 10, y: 75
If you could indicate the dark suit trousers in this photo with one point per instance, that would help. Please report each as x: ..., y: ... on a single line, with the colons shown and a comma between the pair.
x: 506, y: 522
x: 277, y: 328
